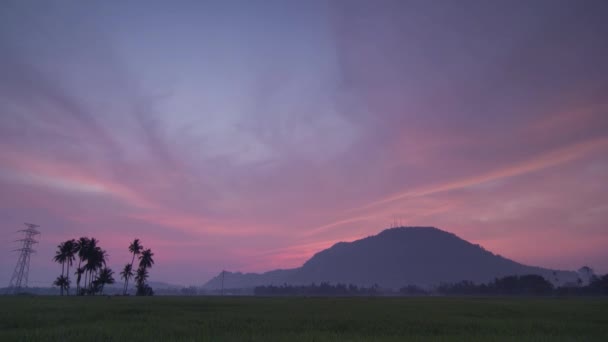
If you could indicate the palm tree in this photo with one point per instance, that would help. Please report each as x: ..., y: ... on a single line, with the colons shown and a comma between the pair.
x: 96, y: 259
x: 126, y: 274
x: 61, y: 257
x: 145, y: 259
x: 135, y: 248
x: 89, y: 253
x: 140, y: 279
x: 63, y: 282
x: 106, y: 276
x: 78, y: 274
x: 91, y: 263
x: 70, y: 249
x: 82, y: 246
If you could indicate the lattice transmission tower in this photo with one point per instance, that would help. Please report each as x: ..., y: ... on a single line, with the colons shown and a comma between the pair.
x: 22, y: 269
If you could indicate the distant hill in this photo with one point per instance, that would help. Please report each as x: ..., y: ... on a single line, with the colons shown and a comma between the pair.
x: 423, y: 256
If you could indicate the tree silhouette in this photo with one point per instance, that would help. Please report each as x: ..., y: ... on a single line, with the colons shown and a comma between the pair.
x: 135, y: 248
x: 63, y: 282
x: 141, y: 275
x: 78, y: 273
x: 126, y: 274
x: 145, y: 259
x: 96, y: 261
x: 90, y: 252
x: 82, y: 246
x: 140, y: 279
x: 92, y: 261
x: 530, y: 284
x: 106, y: 276
x: 70, y: 250
x: 61, y: 256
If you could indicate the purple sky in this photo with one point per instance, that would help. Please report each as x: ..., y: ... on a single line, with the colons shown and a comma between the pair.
x: 247, y: 135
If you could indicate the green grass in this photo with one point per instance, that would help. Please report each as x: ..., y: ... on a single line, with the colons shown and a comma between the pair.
x: 302, y: 319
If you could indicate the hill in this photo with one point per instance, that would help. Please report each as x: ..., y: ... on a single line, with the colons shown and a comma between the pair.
x: 423, y: 256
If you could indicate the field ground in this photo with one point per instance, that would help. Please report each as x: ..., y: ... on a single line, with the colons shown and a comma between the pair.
x: 302, y: 319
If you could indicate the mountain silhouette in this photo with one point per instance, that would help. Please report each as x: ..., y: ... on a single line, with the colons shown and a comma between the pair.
x: 423, y: 256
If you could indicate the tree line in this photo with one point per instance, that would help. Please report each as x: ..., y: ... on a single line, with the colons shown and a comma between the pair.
x: 92, y: 273
x: 531, y: 284
x: 323, y: 289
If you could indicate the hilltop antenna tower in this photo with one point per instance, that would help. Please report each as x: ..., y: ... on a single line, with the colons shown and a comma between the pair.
x: 22, y: 268
x: 396, y: 222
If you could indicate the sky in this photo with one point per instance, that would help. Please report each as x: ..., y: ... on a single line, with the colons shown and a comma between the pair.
x: 248, y: 135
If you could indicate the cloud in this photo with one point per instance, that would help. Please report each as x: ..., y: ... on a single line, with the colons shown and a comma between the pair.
x: 550, y: 159
x: 255, y: 136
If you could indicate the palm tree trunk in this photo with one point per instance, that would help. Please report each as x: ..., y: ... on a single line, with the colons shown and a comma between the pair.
x: 127, y: 281
x: 78, y: 280
x: 89, y: 280
x: 62, y: 271
x: 86, y: 274
x: 68, y: 276
x: 93, y: 275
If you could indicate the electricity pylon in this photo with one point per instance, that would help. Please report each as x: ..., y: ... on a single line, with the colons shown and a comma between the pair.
x: 22, y: 269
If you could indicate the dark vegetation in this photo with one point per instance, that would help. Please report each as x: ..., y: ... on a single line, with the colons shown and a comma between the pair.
x: 512, y: 285
x: 324, y: 289
x: 526, y: 285
x: 597, y: 286
x: 92, y: 273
